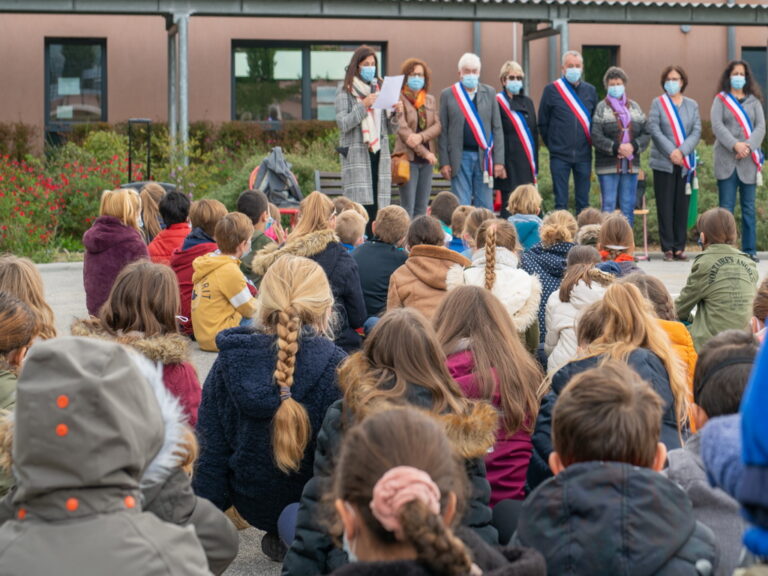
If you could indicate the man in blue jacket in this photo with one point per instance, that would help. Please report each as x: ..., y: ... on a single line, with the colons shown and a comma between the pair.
x: 565, y: 115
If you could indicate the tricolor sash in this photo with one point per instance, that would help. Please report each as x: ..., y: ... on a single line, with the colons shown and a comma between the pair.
x: 522, y: 130
x: 678, y: 133
x: 576, y: 105
x: 737, y: 109
x: 469, y: 110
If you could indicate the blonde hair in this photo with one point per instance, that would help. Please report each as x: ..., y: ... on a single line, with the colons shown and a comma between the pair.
x: 315, y: 213
x: 21, y: 278
x: 123, y: 204
x: 558, y: 226
x: 615, y: 231
x: 205, y: 214
x: 231, y: 231
x: 492, y: 233
x: 525, y: 199
x: 294, y: 293
x: 150, y: 195
x: 360, y: 209
x: 473, y: 221
x: 628, y: 323
x: 392, y: 224
x: 510, y: 66
x: 350, y: 227
x: 459, y: 218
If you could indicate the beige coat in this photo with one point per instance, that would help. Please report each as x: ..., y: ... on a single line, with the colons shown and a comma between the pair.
x: 408, y: 123
x: 422, y: 282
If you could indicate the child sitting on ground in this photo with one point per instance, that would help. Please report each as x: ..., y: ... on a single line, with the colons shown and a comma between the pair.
x: 721, y: 376
x: 274, y: 228
x: 458, y: 220
x: 350, y: 228
x: 174, y: 208
x: 722, y: 283
x: 616, y: 243
x: 378, y: 258
x: 151, y: 220
x: 760, y: 311
x: 399, y: 502
x: 255, y: 205
x: 525, y: 206
x: 589, y: 221
x: 608, y: 511
x: 442, y: 208
x: 21, y: 278
x: 471, y: 224
x: 221, y: 297
x: 204, y: 215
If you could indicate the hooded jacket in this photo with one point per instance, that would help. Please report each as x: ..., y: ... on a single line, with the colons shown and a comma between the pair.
x: 376, y: 261
x: 711, y: 506
x: 240, y: 399
x: 7, y: 402
x: 78, y: 506
x: 644, y: 362
x: 197, y: 244
x: 560, y: 343
x: 341, y: 270
x: 507, y: 463
x: 548, y: 263
x: 220, y: 297
x: 170, y: 350
x: 614, y: 519
x: 421, y: 283
x: 472, y: 434
x: 167, y: 242
x: 683, y: 345
x: 527, y: 227
x: 109, y: 246
x: 721, y: 286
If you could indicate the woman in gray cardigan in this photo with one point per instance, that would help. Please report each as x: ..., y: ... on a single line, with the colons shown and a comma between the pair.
x: 364, y: 142
x: 737, y: 158
x: 668, y: 160
x: 618, y: 135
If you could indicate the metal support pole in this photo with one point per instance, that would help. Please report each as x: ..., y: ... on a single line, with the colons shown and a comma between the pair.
x: 731, y: 39
x: 554, y: 60
x: 183, y: 22
x: 562, y: 27
x: 514, y: 42
x: 173, y: 114
x: 526, y: 59
x: 477, y: 37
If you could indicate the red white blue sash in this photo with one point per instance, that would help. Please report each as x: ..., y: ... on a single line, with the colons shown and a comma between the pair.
x: 736, y: 108
x: 469, y: 110
x: 576, y: 105
x: 678, y: 130
x: 523, y: 132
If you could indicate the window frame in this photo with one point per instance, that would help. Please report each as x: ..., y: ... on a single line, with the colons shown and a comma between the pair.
x: 306, y: 72
x: 66, y: 126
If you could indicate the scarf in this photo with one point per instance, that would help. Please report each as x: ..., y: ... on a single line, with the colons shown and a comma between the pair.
x: 418, y: 99
x: 371, y: 124
x: 616, y: 256
x: 624, y: 118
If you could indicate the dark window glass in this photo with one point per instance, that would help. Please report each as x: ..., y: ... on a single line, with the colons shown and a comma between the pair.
x: 75, y: 81
x: 597, y: 59
x: 758, y: 62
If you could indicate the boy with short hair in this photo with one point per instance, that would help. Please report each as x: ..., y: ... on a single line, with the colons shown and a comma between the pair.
x: 174, y: 209
x: 350, y: 228
x: 458, y: 219
x: 378, y: 258
x: 221, y: 297
x: 608, y: 511
x: 255, y: 205
x: 442, y: 208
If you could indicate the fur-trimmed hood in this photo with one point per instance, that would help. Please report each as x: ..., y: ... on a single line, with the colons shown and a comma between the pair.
x: 307, y: 246
x: 166, y: 349
x: 430, y: 264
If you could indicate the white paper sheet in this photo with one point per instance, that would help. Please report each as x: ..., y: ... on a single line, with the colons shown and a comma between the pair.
x: 389, y: 93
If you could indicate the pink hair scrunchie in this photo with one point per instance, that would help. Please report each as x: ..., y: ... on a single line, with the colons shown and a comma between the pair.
x: 395, y: 489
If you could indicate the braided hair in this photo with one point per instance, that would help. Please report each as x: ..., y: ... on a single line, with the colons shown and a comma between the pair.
x: 492, y: 233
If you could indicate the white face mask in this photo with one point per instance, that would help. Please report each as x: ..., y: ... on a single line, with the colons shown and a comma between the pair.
x: 347, y: 547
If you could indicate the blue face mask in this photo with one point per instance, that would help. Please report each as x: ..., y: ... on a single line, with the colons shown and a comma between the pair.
x: 415, y: 83
x: 514, y: 86
x: 738, y: 82
x: 699, y: 242
x: 470, y: 81
x: 616, y: 91
x: 672, y: 87
x: 270, y: 222
x: 367, y: 73
x: 573, y: 75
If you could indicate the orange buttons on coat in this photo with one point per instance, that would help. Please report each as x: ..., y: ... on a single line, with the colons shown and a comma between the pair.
x: 21, y: 514
x: 130, y: 502
x: 72, y: 504
x: 62, y: 430
x: 62, y: 401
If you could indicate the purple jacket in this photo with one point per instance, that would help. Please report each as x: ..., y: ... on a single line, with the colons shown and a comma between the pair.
x: 507, y: 464
x: 109, y: 246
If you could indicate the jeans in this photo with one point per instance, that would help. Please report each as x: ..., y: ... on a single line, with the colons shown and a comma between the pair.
x: 468, y: 185
x: 414, y: 194
x: 727, y: 192
x: 619, y: 191
x: 561, y: 172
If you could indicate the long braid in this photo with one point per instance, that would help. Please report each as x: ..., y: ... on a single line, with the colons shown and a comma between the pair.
x: 490, y: 257
x: 291, y: 427
x: 436, y: 545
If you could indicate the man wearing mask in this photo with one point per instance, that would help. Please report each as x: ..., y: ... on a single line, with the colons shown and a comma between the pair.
x: 565, y: 115
x: 471, y: 145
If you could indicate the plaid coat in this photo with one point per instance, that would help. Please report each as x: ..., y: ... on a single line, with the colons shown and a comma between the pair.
x: 356, y: 166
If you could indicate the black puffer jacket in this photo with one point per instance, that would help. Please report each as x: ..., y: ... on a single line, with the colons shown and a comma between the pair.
x: 644, y: 362
x: 614, y: 519
x: 313, y: 550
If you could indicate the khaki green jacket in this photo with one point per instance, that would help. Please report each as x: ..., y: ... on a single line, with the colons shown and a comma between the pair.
x: 721, y: 286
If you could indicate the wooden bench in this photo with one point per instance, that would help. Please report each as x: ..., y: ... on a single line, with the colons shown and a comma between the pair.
x: 329, y: 183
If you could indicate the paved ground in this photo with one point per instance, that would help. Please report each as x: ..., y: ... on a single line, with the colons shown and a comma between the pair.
x: 64, y: 292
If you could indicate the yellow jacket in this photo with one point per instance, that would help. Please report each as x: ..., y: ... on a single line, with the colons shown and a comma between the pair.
x: 220, y: 297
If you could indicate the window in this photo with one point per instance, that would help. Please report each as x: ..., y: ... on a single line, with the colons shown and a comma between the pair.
x: 278, y: 81
x: 597, y: 59
x: 758, y: 62
x: 75, y: 82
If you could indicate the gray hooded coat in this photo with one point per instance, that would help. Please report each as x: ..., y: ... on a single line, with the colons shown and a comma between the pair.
x: 85, y: 433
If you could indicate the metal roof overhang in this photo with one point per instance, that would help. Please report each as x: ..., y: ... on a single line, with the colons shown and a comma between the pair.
x: 593, y: 11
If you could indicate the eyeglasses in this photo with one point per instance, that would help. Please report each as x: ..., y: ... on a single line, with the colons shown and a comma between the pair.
x: 515, y: 77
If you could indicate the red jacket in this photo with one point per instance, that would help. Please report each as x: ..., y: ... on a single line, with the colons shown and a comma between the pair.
x: 181, y: 262
x: 162, y: 247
